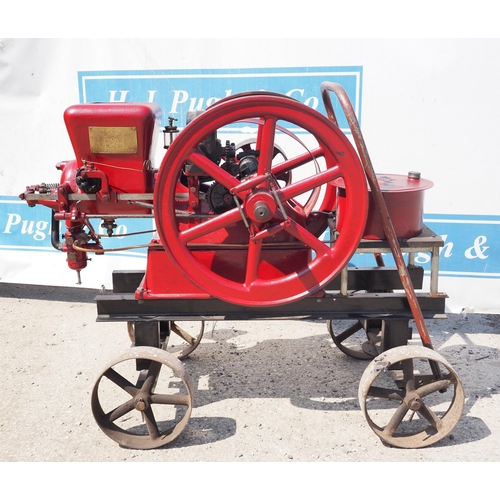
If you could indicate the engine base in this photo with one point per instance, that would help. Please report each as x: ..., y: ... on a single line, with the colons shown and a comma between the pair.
x: 381, y: 296
x: 163, y: 279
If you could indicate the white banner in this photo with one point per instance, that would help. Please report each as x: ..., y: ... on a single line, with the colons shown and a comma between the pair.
x: 424, y: 105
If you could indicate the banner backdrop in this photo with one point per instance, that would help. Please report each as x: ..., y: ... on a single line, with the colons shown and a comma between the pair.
x: 423, y: 105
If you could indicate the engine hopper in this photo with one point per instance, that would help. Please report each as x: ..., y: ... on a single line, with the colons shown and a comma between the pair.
x: 119, y: 139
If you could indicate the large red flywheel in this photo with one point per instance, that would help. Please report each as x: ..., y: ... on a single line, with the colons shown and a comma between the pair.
x: 266, y: 215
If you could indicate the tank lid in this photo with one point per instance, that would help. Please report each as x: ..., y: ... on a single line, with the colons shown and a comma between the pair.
x: 397, y: 183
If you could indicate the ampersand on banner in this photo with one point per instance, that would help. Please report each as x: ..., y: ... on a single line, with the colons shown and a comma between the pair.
x: 477, y: 250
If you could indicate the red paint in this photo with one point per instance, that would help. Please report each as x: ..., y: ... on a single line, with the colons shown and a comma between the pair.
x: 404, y: 198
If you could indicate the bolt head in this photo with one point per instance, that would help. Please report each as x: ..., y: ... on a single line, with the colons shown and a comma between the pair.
x: 415, y: 404
x: 140, y: 405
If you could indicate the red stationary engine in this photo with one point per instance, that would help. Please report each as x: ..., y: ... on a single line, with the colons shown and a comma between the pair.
x: 241, y: 202
x: 238, y: 216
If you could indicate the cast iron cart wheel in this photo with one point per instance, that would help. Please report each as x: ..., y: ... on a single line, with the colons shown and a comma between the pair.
x: 143, y: 399
x: 188, y: 335
x: 261, y: 200
x: 350, y: 340
x: 404, y: 403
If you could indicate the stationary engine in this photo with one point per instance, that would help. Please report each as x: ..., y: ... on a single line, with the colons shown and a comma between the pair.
x: 238, y: 216
x: 259, y: 204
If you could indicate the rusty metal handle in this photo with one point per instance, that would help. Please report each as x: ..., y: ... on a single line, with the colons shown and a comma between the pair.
x: 378, y: 198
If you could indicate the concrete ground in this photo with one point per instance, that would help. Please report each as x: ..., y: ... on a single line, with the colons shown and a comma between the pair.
x: 269, y: 391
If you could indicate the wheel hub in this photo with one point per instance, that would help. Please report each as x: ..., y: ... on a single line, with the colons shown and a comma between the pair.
x: 261, y: 206
x: 413, y: 402
x: 141, y: 404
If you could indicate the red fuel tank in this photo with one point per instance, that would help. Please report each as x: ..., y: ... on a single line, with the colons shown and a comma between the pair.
x: 404, y: 196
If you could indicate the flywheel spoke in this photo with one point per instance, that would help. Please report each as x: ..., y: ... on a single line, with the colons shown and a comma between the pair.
x: 297, y: 161
x: 253, y: 260
x: 307, y: 238
x: 213, y: 170
x: 304, y: 186
x: 211, y: 225
x: 265, y: 144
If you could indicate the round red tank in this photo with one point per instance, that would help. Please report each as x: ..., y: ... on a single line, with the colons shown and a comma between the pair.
x: 404, y: 197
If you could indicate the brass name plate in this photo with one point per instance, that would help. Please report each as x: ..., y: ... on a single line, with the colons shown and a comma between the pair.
x: 113, y: 140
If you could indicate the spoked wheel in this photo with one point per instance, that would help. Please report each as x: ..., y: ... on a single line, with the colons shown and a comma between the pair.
x: 266, y: 215
x: 349, y: 337
x: 186, y: 338
x: 404, y: 403
x: 188, y: 335
x: 143, y: 400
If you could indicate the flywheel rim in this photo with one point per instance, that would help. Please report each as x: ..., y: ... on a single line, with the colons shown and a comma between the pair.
x: 328, y: 261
